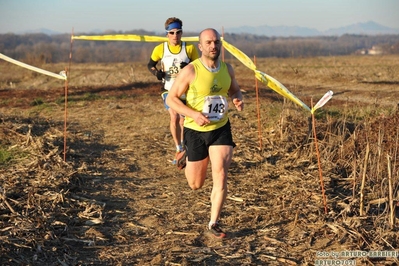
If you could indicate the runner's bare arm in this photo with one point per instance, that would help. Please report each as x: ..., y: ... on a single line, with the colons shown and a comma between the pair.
x: 179, y: 87
x: 234, y: 91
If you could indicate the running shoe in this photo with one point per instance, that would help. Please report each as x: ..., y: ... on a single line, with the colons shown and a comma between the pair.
x: 181, y: 159
x: 216, y: 231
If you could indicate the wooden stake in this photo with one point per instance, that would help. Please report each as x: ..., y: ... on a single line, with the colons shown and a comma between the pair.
x: 65, y: 113
x: 67, y: 72
x: 258, y: 110
x: 222, y: 45
x: 390, y: 195
x: 319, y: 164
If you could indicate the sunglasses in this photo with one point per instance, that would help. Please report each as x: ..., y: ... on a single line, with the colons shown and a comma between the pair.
x: 175, y: 32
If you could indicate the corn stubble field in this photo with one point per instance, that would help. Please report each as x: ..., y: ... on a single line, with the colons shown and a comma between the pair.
x: 117, y: 200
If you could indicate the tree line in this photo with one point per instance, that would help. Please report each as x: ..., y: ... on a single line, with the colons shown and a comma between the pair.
x: 41, y: 48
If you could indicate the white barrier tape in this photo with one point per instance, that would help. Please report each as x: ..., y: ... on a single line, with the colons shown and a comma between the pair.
x: 322, y: 101
x: 62, y: 75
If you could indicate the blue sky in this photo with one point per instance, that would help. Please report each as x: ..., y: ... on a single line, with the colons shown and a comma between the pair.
x: 124, y: 15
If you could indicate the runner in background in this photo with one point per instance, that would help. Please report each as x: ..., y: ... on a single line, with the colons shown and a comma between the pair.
x: 173, y: 55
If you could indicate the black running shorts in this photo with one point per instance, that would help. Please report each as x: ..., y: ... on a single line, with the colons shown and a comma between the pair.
x: 197, y: 142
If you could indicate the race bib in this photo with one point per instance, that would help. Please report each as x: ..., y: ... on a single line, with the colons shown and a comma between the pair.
x: 215, y: 107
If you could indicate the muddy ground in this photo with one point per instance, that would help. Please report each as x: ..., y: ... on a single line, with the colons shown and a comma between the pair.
x: 114, y: 198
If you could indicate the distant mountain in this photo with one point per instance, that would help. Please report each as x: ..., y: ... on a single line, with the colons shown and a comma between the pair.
x: 41, y: 30
x: 367, y: 28
x: 52, y: 32
x: 283, y: 31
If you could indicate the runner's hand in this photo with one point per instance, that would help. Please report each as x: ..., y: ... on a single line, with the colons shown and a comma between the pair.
x: 238, y: 103
x: 183, y: 64
x: 201, y: 120
x: 160, y: 74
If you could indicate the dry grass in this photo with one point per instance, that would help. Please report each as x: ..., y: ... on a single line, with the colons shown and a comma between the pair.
x: 118, y: 201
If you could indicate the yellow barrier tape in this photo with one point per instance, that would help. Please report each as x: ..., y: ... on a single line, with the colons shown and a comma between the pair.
x: 271, y: 82
x: 239, y: 55
x: 275, y: 85
x: 129, y: 38
x: 36, y: 69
